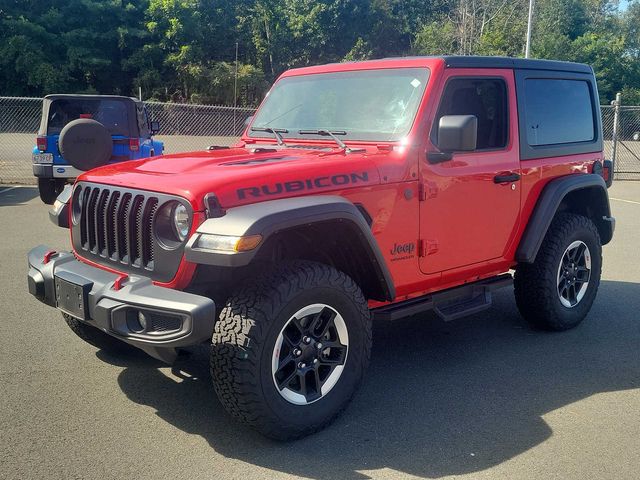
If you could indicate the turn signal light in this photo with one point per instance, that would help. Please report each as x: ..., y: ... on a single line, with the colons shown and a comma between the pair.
x: 245, y: 244
x: 134, y: 144
x: 226, y: 243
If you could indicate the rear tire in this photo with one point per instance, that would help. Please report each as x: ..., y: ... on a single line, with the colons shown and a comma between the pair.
x: 96, y: 337
x: 269, y: 340
x: 557, y: 290
x: 49, y: 189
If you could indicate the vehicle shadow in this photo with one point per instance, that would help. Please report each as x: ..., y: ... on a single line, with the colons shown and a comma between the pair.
x: 439, y: 398
x: 14, y: 195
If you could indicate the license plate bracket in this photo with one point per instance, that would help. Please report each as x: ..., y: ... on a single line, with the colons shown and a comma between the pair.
x: 72, y: 294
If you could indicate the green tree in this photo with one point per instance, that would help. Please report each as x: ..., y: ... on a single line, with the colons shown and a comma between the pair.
x: 184, y: 50
x: 67, y: 45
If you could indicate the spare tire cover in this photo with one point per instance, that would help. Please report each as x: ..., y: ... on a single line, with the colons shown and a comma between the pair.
x: 85, y: 144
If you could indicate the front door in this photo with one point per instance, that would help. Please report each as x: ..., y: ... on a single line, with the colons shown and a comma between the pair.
x: 471, y: 203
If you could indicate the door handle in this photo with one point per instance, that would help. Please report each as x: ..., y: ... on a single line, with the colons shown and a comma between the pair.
x: 506, y: 177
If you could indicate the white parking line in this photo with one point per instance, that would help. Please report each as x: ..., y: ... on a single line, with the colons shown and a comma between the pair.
x: 8, y: 189
x: 625, y: 201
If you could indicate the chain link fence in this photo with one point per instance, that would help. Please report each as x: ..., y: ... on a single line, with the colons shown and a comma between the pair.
x: 183, y: 128
x: 621, y: 127
x: 186, y: 127
x: 19, y: 122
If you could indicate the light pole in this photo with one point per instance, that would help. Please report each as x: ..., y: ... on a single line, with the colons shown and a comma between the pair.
x: 235, y: 91
x: 527, y: 48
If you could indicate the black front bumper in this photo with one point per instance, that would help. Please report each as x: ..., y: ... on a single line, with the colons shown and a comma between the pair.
x: 173, y: 318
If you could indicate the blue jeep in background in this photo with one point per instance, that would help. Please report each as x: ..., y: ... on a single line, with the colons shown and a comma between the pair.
x: 81, y: 132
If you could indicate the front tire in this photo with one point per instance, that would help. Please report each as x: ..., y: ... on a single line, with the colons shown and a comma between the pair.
x: 557, y: 290
x: 291, y: 348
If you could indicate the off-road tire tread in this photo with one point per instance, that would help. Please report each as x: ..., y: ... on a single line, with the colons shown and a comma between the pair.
x: 535, y: 283
x: 240, y: 332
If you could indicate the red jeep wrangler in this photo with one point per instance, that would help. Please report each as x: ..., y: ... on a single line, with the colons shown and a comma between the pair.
x: 377, y: 189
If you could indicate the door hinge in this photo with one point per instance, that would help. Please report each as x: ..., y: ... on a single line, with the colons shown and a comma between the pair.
x: 427, y: 190
x: 427, y: 247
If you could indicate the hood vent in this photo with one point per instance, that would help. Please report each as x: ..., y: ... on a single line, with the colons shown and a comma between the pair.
x: 262, y: 161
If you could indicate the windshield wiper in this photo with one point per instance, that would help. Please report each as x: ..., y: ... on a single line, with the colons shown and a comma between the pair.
x: 275, y: 131
x: 332, y: 134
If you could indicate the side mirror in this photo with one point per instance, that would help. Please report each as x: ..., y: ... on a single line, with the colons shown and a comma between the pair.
x: 247, y: 121
x: 457, y: 133
x: 155, y: 127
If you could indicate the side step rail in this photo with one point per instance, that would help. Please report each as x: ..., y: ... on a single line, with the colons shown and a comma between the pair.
x: 448, y: 304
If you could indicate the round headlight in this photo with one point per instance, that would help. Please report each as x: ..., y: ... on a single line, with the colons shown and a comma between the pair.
x: 76, y: 205
x: 181, y: 222
x: 172, y: 224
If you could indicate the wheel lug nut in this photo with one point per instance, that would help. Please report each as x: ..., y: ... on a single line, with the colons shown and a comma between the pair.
x: 315, y: 360
x: 319, y: 346
x: 297, y: 352
x: 302, y: 365
x: 306, y: 340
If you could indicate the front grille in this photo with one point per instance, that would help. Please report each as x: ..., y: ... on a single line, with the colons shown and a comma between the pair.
x: 115, y: 227
x: 118, y: 226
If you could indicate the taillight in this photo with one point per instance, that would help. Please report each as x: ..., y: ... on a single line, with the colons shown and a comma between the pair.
x: 41, y: 142
x: 607, y: 172
x: 134, y: 144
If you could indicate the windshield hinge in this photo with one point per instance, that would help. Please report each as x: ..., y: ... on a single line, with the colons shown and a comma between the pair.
x: 427, y: 190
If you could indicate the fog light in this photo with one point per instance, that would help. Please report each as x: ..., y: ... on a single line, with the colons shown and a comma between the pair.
x: 142, y: 320
x: 136, y: 321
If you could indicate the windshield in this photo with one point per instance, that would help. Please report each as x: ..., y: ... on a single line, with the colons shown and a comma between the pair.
x: 111, y: 113
x: 375, y: 105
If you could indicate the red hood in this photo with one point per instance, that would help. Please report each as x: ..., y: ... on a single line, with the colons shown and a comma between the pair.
x: 239, y: 176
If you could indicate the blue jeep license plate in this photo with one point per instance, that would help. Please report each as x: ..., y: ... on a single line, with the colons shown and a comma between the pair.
x: 43, y: 158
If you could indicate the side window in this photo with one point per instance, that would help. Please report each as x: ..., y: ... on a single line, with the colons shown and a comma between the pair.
x: 143, y: 123
x: 486, y: 98
x: 558, y: 111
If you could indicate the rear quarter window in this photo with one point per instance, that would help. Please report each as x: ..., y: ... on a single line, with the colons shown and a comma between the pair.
x: 143, y: 120
x: 558, y: 111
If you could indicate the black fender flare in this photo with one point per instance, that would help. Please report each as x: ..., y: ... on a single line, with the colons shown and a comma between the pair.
x: 270, y: 217
x: 548, y: 203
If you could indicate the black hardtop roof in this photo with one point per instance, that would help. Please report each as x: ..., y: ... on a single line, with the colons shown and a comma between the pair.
x: 129, y: 102
x: 470, y: 61
x: 70, y: 96
x: 476, y: 61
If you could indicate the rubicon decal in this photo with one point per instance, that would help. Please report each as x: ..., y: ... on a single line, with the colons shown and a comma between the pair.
x: 317, y: 183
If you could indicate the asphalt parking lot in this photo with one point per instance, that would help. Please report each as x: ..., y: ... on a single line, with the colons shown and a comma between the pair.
x: 484, y: 397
